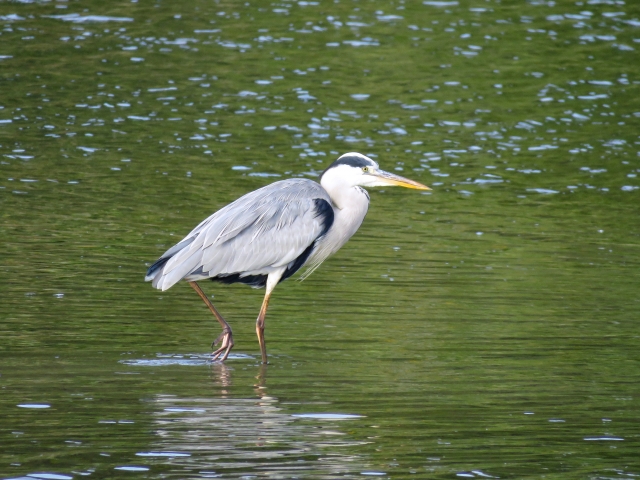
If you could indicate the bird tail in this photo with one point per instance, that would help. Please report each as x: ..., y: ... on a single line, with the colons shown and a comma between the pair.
x: 156, y: 267
x: 156, y: 271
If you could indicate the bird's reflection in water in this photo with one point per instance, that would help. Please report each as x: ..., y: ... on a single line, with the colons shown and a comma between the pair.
x: 261, y: 379
x: 236, y: 437
x: 221, y: 376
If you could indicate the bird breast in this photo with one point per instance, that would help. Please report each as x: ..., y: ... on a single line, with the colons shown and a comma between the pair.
x: 346, y: 222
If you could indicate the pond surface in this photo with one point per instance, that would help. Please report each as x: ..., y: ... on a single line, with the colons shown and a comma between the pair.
x: 489, y: 328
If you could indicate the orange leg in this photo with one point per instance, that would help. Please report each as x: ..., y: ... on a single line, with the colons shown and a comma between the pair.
x: 260, y: 326
x: 226, y: 336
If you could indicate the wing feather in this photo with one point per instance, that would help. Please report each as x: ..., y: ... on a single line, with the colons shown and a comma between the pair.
x: 264, y: 230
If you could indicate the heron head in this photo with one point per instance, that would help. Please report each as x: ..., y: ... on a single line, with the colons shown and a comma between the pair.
x: 357, y: 170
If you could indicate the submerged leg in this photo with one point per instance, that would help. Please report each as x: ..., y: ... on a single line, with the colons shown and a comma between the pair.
x: 226, y: 336
x: 272, y: 281
x: 260, y: 326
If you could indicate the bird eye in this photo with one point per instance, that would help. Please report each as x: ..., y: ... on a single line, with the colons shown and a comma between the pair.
x: 365, y: 169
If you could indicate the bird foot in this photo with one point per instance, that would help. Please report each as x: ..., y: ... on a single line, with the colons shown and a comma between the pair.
x: 226, y: 337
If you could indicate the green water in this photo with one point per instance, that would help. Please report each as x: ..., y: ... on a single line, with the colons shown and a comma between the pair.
x: 489, y: 328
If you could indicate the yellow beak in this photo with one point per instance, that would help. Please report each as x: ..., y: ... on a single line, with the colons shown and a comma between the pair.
x: 387, y: 178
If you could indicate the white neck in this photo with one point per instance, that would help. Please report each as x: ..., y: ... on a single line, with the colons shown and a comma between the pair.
x: 350, y: 206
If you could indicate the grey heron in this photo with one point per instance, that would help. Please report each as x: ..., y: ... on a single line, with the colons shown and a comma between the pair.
x: 267, y: 235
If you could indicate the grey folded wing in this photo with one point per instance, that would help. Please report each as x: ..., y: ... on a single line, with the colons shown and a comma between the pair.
x: 267, y: 230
